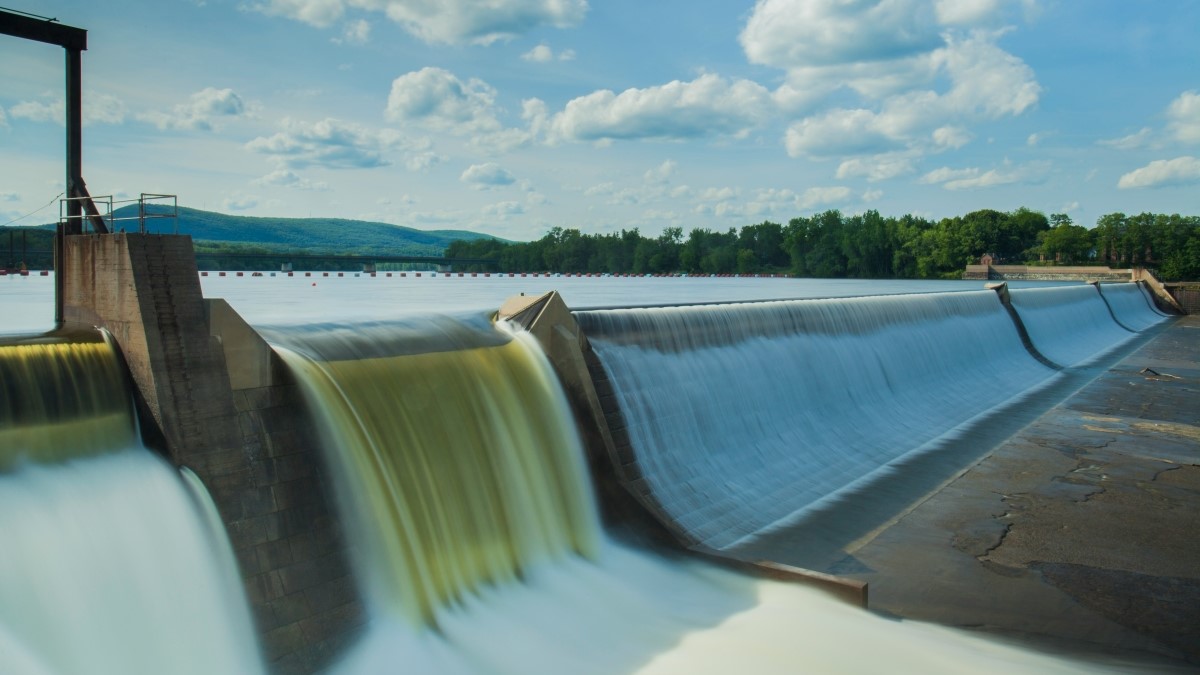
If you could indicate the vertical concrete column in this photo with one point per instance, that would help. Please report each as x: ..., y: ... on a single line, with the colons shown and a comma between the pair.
x: 213, y: 397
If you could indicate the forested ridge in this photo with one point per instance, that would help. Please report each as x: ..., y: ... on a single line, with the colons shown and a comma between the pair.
x: 867, y: 245
x: 825, y: 245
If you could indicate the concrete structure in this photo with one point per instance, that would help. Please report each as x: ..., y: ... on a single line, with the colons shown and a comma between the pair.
x: 1076, y: 534
x: 212, y: 396
x: 1185, y: 295
x: 989, y: 272
x: 627, y: 502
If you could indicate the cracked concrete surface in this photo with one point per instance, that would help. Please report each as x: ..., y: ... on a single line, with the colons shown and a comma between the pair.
x: 1079, y: 533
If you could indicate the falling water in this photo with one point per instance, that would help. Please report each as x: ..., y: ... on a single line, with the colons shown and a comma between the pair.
x: 106, y: 563
x: 1131, y: 306
x: 480, y: 561
x: 452, y: 456
x: 59, y: 400
x: 1070, y: 325
x: 745, y: 417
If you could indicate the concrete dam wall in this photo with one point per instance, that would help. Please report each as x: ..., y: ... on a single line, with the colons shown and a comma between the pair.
x: 711, y: 427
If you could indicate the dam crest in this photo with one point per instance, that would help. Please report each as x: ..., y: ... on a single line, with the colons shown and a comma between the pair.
x: 400, y: 471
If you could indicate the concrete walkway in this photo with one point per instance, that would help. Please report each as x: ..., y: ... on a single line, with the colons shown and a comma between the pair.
x: 1080, y: 533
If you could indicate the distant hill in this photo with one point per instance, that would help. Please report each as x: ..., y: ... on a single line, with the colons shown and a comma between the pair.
x: 318, y: 235
x: 221, y: 233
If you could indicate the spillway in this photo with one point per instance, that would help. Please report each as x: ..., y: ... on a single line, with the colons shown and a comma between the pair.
x: 1131, y: 306
x: 109, y: 563
x: 744, y: 418
x: 454, y: 457
x: 1070, y: 325
x: 462, y: 485
x: 478, y: 561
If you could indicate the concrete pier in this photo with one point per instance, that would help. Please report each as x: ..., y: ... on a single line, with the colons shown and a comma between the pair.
x: 1078, y: 533
x: 212, y: 396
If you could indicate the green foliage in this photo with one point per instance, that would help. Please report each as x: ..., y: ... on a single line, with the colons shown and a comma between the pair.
x: 828, y: 244
x: 33, y: 247
x: 1170, y: 243
x: 868, y: 245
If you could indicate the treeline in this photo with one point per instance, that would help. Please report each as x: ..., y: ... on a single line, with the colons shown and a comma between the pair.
x: 26, y: 246
x: 868, y: 245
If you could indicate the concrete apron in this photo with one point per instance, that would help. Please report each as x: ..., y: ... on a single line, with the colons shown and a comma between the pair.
x: 1079, y: 533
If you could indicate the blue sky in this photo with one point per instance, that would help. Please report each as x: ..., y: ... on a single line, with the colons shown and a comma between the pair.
x: 514, y: 116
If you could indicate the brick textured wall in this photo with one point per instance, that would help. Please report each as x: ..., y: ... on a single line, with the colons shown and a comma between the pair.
x: 1188, y: 297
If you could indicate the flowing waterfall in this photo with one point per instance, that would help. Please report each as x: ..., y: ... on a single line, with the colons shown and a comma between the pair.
x: 445, y: 440
x: 106, y: 562
x: 60, y: 400
x: 1069, y: 325
x: 743, y: 418
x: 464, y: 462
x: 1131, y: 305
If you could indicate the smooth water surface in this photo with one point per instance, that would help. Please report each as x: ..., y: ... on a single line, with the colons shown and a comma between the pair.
x: 27, y: 303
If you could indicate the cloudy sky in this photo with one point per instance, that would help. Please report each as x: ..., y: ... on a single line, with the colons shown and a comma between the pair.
x: 513, y: 116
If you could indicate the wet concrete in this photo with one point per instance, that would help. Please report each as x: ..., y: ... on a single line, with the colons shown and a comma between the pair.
x: 1079, y: 533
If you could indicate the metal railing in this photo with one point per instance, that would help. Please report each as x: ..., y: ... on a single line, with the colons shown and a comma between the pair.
x: 150, y: 207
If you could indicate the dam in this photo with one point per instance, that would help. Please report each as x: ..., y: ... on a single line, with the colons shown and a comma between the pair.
x: 682, y: 488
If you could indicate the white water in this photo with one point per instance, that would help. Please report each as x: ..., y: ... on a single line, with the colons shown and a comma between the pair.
x: 603, y: 609
x: 1131, y: 305
x: 743, y: 417
x: 631, y: 612
x: 1071, y: 326
x: 107, y: 567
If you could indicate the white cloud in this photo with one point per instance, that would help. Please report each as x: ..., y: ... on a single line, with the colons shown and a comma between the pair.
x: 486, y: 176
x: 803, y: 33
x: 1162, y: 173
x: 436, y: 99
x: 539, y: 54
x: 37, y: 111
x: 714, y: 194
x: 872, y: 195
x: 661, y: 173
x: 946, y: 174
x: 3, y: 118
x: 951, y: 137
x: 972, y: 178
x: 1184, y: 113
x: 239, y: 202
x: 97, y: 109
x: 330, y: 143
x: 282, y: 177
x: 980, y: 12
x: 837, y: 132
x: 422, y: 161
x: 876, y: 168
x: 1131, y: 142
x: 924, y: 70
x: 319, y: 13
x: 503, y: 209
x: 821, y: 196
x: 984, y: 83
x: 356, y: 32
x: 706, y: 106
x: 200, y: 112
x: 543, y: 54
x: 445, y: 21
